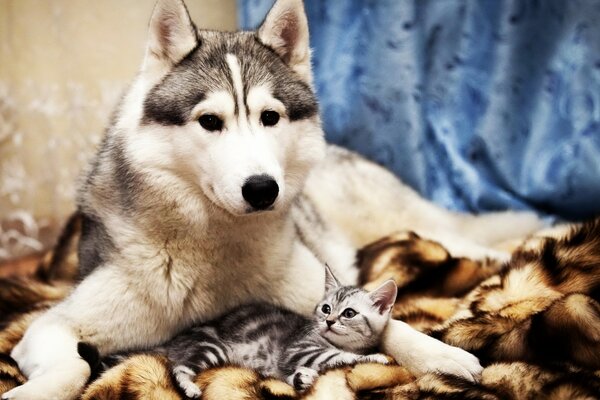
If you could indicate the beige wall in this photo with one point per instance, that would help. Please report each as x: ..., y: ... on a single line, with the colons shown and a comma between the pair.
x: 63, y: 65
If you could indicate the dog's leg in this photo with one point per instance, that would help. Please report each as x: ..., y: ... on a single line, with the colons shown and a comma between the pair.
x: 459, y: 246
x: 48, y: 356
x: 106, y: 310
x: 367, y: 202
x: 420, y: 353
x: 496, y: 227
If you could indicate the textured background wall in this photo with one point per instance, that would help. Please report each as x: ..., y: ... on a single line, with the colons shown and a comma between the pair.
x: 63, y: 65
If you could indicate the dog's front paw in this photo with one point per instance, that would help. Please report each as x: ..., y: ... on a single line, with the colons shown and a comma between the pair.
x: 28, y: 391
x: 64, y: 381
x: 303, y: 378
x: 375, y: 358
x: 446, y: 359
x: 421, y: 354
x: 16, y: 393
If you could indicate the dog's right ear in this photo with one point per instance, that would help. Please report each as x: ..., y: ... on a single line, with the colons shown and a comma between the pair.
x: 172, y: 35
x: 285, y: 30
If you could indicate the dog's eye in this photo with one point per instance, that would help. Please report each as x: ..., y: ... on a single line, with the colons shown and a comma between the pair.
x: 269, y: 118
x: 326, y: 309
x: 211, y: 122
x: 348, y: 313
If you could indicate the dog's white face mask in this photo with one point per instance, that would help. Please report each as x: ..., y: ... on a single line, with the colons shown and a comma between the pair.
x: 233, y: 113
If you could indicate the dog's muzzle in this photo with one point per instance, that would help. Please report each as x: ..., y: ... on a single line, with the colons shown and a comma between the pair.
x: 260, y: 191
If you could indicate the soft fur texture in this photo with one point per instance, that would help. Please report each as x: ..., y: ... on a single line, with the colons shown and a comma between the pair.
x: 534, y: 322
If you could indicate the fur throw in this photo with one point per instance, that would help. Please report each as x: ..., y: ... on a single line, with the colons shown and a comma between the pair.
x: 534, y: 323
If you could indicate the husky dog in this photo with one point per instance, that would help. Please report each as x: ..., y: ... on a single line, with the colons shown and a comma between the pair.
x: 214, y: 188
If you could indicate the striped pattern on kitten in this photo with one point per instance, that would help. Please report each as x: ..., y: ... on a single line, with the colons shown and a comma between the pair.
x: 345, y: 329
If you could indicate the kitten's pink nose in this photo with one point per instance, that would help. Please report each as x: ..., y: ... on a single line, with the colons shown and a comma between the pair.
x: 329, y: 322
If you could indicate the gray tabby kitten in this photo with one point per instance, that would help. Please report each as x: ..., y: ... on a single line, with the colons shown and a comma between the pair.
x: 345, y: 329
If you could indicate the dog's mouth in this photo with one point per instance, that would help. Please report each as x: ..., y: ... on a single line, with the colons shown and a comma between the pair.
x: 246, y: 212
x: 216, y: 201
x: 237, y: 208
x: 252, y: 210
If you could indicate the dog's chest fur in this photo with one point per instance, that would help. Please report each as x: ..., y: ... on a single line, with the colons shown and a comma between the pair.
x: 205, y: 273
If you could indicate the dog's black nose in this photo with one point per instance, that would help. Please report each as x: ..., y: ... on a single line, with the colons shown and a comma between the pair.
x: 329, y: 322
x: 260, y: 191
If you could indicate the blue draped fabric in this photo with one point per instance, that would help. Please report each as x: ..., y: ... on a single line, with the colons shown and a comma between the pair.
x: 478, y: 104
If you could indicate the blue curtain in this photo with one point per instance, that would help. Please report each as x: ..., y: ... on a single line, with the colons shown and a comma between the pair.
x: 478, y: 104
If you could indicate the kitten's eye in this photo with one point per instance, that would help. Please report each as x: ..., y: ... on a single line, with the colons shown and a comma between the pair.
x: 348, y: 313
x: 326, y: 309
x: 269, y: 118
x: 211, y: 122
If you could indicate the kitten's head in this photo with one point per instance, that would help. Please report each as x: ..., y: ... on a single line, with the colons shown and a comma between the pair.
x: 352, y: 318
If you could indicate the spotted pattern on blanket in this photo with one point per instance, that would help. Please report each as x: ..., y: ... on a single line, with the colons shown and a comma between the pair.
x: 534, y: 323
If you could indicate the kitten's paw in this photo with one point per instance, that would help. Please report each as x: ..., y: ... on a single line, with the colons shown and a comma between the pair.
x: 303, y: 378
x: 185, y: 379
x: 191, y: 390
x: 375, y: 358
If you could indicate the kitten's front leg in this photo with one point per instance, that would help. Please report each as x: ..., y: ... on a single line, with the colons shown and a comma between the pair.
x: 342, y: 358
x: 347, y: 358
x: 185, y: 379
x: 420, y: 353
x: 375, y: 358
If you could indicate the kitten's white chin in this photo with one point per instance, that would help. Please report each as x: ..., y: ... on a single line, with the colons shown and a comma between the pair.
x: 335, y: 338
x: 327, y: 331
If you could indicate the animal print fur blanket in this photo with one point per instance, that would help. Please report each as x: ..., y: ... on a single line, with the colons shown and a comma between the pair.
x: 534, y: 323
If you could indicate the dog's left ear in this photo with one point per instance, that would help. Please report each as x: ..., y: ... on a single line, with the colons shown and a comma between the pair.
x: 285, y: 30
x: 172, y: 34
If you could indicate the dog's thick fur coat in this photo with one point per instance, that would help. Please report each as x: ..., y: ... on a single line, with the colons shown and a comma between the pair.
x: 534, y: 323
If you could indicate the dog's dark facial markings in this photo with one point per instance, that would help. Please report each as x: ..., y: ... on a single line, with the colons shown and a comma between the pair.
x: 171, y: 102
x: 205, y: 70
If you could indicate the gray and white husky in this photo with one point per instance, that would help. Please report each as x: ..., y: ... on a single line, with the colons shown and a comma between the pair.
x: 213, y: 188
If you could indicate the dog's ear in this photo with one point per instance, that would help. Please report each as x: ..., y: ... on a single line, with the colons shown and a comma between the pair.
x: 285, y: 30
x: 384, y: 296
x: 172, y: 34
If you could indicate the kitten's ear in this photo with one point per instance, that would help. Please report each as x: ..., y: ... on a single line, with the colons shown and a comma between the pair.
x: 285, y: 30
x: 331, y: 282
x: 384, y: 296
x: 172, y: 34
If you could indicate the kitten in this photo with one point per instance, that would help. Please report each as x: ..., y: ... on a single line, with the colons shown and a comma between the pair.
x: 345, y: 329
